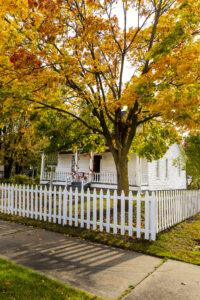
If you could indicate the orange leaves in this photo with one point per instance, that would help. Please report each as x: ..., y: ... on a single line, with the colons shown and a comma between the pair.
x: 32, y: 4
x: 80, y: 46
x: 24, y: 59
x: 49, y: 5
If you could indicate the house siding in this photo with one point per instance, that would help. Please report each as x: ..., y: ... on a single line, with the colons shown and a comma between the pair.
x: 83, y: 162
x: 174, y: 180
x: 64, y: 163
x: 108, y: 164
x: 145, y: 173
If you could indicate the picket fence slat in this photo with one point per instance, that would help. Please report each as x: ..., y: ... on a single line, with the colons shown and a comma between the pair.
x: 82, y: 208
x: 141, y: 215
x: 65, y: 197
x: 101, y: 210
x: 95, y: 210
x: 122, y: 213
x: 115, y: 212
x: 146, y: 216
x: 130, y: 214
x: 138, y: 216
x: 108, y: 211
x: 88, y: 208
x: 70, y: 207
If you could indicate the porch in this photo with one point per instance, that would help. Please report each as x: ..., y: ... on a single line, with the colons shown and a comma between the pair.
x: 90, y: 170
x: 83, y: 177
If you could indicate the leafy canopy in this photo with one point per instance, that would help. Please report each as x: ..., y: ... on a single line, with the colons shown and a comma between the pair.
x: 70, y: 55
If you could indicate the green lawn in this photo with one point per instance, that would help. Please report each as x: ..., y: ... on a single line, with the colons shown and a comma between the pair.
x: 18, y: 283
x: 182, y: 242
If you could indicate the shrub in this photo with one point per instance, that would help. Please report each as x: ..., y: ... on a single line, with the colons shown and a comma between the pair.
x: 20, y: 179
x: 37, y: 179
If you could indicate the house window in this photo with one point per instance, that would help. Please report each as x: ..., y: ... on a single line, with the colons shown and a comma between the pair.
x: 157, y: 168
x: 166, y: 168
x: 179, y: 168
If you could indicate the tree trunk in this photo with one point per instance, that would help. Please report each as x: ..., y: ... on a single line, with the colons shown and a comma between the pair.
x: 122, y: 175
x: 18, y: 169
x: 8, y: 168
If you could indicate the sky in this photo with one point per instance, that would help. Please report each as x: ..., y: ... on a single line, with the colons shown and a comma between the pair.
x: 132, y: 21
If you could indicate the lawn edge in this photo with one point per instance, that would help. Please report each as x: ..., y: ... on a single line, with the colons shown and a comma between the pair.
x: 59, y: 283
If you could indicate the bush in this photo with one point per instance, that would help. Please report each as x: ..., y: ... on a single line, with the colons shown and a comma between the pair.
x: 37, y: 179
x: 4, y: 180
x: 19, y: 179
x: 194, y: 185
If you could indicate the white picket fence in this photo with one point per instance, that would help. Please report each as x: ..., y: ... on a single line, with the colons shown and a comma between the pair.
x: 95, y: 210
x: 173, y: 207
x: 144, y: 215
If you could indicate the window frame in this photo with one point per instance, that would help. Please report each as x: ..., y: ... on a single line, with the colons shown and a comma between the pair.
x: 158, y: 169
x: 166, y: 168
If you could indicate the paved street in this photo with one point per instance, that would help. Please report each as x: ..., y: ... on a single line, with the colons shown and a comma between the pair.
x: 97, y: 269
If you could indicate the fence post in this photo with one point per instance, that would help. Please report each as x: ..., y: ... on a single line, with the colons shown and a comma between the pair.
x: 153, y: 217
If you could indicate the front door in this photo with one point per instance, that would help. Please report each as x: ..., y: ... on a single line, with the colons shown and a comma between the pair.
x: 96, y: 166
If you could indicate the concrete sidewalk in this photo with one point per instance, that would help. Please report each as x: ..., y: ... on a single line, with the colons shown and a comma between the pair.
x: 173, y: 280
x: 97, y: 269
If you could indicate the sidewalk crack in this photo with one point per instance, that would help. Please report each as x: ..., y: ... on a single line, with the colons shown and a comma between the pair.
x: 132, y: 287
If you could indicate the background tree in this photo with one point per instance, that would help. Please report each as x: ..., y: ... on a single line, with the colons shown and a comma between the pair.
x: 18, y: 148
x: 73, y: 56
x: 64, y: 133
x: 191, y: 158
x: 19, y: 143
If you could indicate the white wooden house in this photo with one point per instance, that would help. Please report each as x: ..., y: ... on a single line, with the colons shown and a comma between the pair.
x: 98, y: 171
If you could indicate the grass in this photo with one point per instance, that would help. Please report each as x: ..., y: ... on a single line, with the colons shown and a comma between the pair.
x: 19, y: 283
x: 181, y: 242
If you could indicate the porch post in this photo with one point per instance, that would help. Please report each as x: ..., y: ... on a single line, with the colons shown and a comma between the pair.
x: 42, y: 166
x: 91, y: 166
x: 76, y: 164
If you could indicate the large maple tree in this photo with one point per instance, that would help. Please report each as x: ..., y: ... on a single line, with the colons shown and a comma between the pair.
x: 74, y: 56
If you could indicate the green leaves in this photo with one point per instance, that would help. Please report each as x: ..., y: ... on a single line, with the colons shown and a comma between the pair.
x: 191, y: 151
x: 153, y: 140
x: 166, y: 45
